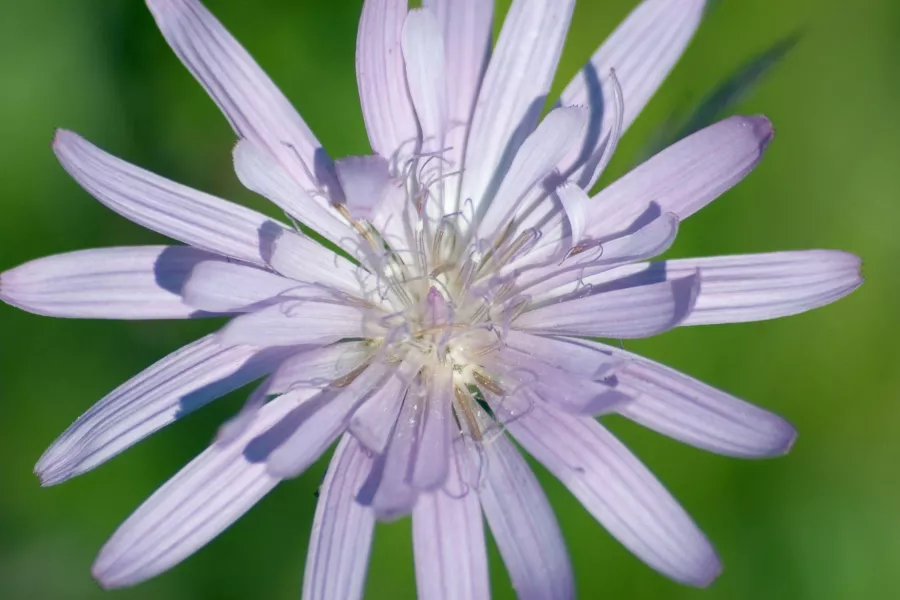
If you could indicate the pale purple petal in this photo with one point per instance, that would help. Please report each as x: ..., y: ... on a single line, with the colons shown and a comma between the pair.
x: 574, y: 201
x: 620, y: 492
x: 547, y: 383
x: 296, y: 256
x: 365, y: 181
x: 373, y: 423
x: 534, y: 161
x: 448, y: 540
x: 295, y: 322
x: 140, y: 282
x: 389, y: 491
x: 466, y: 26
x: 177, y: 385
x: 523, y: 525
x: 254, y: 106
x: 260, y: 172
x: 166, y: 207
x: 192, y: 508
x: 577, y: 356
x: 755, y: 287
x: 341, y: 536
x: 319, y: 367
x: 430, y: 461
x: 512, y: 95
x: 684, y: 177
x: 227, y: 287
x: 423, y: 53
x: 380, y: 74
x: 695, y: 413
x: 305, y: 433
x: 596, y: 259
x: 642, y: 51
x: 641, y: 310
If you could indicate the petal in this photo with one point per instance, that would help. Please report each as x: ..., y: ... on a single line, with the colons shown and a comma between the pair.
x: 685, y: 177
x: 226, y: 287
x: 466, y: 31
x: 697, y: 414
x: 547, y: 383
x: 305, y: 433
x: 295, y: 322
x: 523, y: 525
x: 466, y: 26
x: 373, y: 423
x: 430, y: 462
x: 380, y: 74
x: 534, y: 161
x: 255, y: 107
x: 641, y: 310
x: 594, y: 261
x: 512, y: 95
x: 192, y: 508
x: 388, y: 490
x: 319, y: 367
x: 755, y: 287
x: 365, y: 181
x: 172, y: 388
x: 260, y: 172
x: 141, y: 282
x: 642, y: 50
x: 620, y: 492
x: 574, y: 202
x: 341, y: 537
x: 302, y: 259
x: 577, y: 356
x: 448, y: 540
x: 166, y: 207
x: 423, y: 53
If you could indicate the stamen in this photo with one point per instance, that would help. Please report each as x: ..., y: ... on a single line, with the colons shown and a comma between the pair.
x: 488, y: 383
x: 463, y: 405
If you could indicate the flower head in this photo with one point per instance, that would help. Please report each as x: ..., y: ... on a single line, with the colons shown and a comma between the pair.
x: 472, y: 270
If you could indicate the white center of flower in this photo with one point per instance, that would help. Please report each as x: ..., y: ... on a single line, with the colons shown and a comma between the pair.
x: 443, y: 300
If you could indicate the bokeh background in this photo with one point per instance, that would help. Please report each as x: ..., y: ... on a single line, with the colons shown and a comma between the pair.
x: 820, y: 523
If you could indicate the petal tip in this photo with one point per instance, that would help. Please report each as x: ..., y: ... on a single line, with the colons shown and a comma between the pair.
x: 711, y: 571
x: 762, y: 128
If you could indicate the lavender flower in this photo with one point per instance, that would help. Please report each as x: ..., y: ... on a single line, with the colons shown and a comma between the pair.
x: 473, y: 268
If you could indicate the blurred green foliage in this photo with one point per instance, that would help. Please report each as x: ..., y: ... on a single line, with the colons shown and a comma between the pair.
x: 820, y: 523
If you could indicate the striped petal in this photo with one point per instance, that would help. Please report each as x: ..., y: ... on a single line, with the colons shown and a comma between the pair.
x: 166, y: 207
x: 192, y: 508
x: 524, y: 526
x: 512, y: 94
x: 448, y: 540
x: 684, y: 177
x: 253, y: 105
x: 620, y: 492
x: 380, y: 74
x: 341, y: 536
x: 141, y: 282
x: 642, y: 51
x: 640, y: 310
x: 172, y: 388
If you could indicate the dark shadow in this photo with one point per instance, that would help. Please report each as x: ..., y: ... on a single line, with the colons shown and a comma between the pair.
x: 258, y: 366
x: 525, y: 127
x: 590, y: 155
x: 261, y: 447
x: 269, y: 232
x: 173, y: 268
x: 724, y: 97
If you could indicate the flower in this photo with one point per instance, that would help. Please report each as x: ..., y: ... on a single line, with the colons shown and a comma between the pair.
x: 472, y: 270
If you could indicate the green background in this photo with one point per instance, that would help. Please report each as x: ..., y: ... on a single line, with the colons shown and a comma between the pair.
x: 820, y: 523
